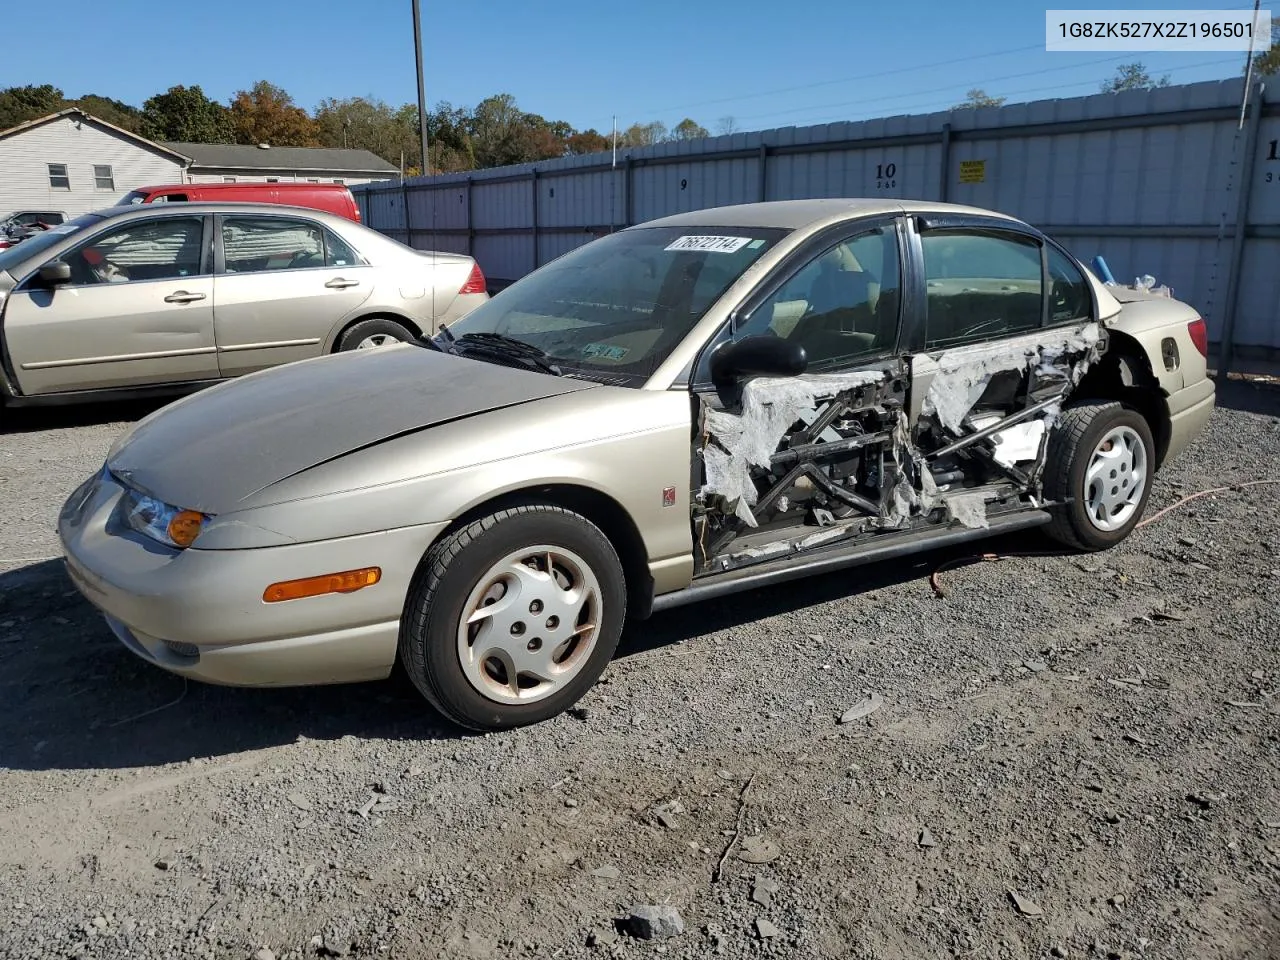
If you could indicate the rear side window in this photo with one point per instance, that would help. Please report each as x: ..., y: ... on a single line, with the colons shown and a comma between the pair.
x: 338, y: 252
x: 255, y: 244
x: 980, y: 287
x: 1069, y: 297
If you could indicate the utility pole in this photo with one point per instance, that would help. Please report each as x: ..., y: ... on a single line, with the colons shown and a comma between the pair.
x: 422, y: 89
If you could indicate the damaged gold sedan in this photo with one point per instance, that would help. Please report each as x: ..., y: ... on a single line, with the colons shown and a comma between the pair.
x: 707, y: 403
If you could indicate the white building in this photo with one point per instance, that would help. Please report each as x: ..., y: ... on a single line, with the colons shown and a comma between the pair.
x: 75, y: 163
x: 233, y: 163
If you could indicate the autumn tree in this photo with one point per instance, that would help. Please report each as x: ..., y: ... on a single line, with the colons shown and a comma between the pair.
x: 266, y: 113
x: 1132, y: 76
x: 588, y: 141
x: 185, y: 114
x: 688, y: 129
x: 20, y: 104
x: 1266, y: 64
x: 978, y: 97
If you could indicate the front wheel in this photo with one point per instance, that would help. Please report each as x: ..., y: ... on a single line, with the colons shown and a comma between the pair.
x: 1101, y: 462
x: 514, y: 617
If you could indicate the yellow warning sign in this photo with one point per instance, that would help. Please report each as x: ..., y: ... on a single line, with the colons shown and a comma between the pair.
x: 973, y: 171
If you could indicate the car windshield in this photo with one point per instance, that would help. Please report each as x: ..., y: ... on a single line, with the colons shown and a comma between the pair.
x: 619, y: 305
x: 43, y: 240
x: 132, y: 198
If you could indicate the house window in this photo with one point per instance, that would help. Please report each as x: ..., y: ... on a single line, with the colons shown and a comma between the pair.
x: 313, y: 179
x: 273, y: 179
x: 339, y: 180
x: 228, y: 179
x: 58, y: 178
x: 103, y: 178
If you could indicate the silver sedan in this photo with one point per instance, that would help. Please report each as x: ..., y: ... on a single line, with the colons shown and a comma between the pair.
x: 137, y: 300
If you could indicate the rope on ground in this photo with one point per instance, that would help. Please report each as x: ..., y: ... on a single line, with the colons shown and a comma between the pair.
x: 935, y: 582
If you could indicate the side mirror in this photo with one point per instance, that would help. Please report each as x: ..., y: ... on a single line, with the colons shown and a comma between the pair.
x: 760, y: 356
x: 54, y: 273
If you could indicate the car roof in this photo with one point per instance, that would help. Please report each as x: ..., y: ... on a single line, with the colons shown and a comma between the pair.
x: 215, y: 206
x: 797, y: 214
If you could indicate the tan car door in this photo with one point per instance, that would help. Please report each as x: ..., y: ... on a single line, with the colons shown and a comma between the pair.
x: 137, y: 311
x: 282, y: 284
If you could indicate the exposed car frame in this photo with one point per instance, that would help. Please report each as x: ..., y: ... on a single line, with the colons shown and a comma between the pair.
x: 729, y: 467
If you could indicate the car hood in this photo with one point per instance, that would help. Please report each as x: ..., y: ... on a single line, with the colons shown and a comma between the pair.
x: 213, y: 449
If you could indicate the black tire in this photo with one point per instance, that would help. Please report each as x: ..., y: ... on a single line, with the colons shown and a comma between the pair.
x: 365, y: 329
x: 453, y: 568
x: 1075, y: 437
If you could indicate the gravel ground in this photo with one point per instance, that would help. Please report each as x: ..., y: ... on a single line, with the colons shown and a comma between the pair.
x: 1076, y: 756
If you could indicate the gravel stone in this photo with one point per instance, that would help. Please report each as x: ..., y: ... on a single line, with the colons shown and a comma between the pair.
x: 654, y: 922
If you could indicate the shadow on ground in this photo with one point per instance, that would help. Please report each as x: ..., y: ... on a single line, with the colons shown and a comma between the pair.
x: 71, y: 697
x: 89, y: 414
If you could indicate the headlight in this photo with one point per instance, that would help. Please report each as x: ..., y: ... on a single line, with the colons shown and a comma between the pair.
x: 159, y: 521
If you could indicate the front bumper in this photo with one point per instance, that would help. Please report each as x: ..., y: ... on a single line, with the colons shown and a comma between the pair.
x: 200, y: 613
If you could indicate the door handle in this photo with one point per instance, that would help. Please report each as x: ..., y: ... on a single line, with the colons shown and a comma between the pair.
x: 337, y: 283
x: 182, y: 296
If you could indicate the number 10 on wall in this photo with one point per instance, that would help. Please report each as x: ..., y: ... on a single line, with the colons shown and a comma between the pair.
x: 886, y: 175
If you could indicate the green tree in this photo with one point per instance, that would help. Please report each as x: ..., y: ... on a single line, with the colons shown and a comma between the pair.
x: 644, y: 134
x: 115, y: 112
x: 267, y: 114
x: 20, y: 104
x: 185, y: 114
x: 688, y: 129
x: 367, y: 123
x: 978, y: 97
x: 1132, y: 76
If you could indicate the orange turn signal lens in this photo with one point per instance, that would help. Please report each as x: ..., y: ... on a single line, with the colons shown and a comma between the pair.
x: 348, y: 581
x: 185, y: 527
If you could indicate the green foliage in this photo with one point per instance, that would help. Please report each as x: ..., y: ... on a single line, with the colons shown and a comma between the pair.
x: 495, y: 132
x: 1132, y: 76
x: 185, y: 114
x: 978, y: 97
x: 20, y: 104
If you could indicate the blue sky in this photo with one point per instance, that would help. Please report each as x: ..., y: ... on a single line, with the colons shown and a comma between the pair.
x: 765, y: 63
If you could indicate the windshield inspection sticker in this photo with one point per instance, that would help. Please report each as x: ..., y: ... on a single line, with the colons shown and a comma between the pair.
x: 604, y: 350
x: 710, y: 244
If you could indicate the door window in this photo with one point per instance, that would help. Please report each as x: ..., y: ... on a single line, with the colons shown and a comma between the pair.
x: 255, y: 244
x: 842, y: 307
x: 160, y: 249
x: 980, y: 287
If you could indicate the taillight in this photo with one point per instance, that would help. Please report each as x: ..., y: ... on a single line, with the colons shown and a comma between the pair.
x: 1199, y: 334
x: 475, y: 281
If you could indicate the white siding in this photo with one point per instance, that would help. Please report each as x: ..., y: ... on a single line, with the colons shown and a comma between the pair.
x: 212, y: 175
x: 80, y: 144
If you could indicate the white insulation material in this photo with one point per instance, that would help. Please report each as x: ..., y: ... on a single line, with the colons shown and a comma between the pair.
x: 964, y: 374
x: 769, y: 407
x: 970, y: 509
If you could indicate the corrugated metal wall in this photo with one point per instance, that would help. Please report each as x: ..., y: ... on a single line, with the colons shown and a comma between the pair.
x: 1152, y: 180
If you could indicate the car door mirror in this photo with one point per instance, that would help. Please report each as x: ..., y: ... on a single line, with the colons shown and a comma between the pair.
x: 54, y: 273
x: 758, y: 356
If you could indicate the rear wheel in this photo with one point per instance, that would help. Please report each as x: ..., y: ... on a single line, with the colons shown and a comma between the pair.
x: 1101, y: 461
x: 368, y: 334
x: 514, y: 617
